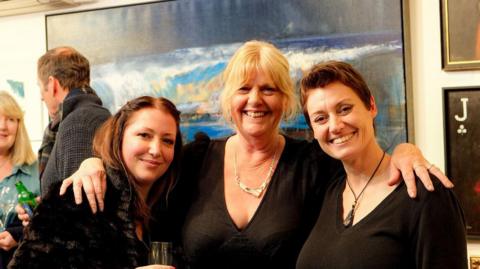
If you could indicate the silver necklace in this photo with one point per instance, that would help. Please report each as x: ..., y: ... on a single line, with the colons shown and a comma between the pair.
x: 347, y: 222
x: 256, y: 192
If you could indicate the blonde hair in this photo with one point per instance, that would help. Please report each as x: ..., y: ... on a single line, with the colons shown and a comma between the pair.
x: 21, y: 151
x: 250, y: 58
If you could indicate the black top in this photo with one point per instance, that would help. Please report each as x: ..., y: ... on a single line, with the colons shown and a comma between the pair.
x: 277, y: 230
x: 62, y: 234
x: 426, y: 232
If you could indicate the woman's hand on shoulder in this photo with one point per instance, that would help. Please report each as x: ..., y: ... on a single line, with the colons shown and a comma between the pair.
x: 91, y: 178
x: 408, y: 160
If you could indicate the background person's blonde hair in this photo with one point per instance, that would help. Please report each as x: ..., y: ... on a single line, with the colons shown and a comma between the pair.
x: 21, y: 151
x: 248, y: 59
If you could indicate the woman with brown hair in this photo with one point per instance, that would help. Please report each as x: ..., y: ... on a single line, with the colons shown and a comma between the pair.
x: 364, y: 222
x: 141, y: 158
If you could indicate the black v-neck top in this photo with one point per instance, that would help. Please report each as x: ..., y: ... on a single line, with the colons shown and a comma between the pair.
x: 276, y: 232
x: 403, y: 233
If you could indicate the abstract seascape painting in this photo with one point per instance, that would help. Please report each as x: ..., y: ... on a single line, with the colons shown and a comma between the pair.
x: 179, y: 49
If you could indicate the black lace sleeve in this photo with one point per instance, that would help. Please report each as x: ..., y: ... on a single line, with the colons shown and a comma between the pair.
x: 62, y: 234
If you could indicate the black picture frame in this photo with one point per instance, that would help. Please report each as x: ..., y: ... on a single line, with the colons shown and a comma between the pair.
x: 460, y: 34
x: 462, y: 150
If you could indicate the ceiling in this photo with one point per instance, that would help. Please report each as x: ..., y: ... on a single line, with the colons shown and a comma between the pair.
x: 16, y: 7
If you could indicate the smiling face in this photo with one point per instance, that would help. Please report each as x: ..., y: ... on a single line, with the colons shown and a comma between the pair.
x: 8, y: 132
x: 148, y: 145
x: 341, y: 123
x: 257, y: 107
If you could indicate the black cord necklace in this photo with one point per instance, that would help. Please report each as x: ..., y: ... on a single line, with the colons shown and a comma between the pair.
x: 347, y: 222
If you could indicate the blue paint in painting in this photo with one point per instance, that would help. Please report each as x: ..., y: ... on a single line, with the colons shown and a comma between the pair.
x: 178, y: 49
x: 191, y: 78
x: 197, y: 75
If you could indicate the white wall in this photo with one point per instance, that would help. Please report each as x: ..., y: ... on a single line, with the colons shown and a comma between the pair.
x: 428, y: 81
x: 23, y: 41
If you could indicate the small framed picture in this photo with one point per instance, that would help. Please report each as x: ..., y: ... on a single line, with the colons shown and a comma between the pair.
x: 462, y: 150
x: 460, y: 34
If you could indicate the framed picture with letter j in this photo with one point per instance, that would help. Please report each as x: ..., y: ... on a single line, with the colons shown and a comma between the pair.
x: 462, y: 150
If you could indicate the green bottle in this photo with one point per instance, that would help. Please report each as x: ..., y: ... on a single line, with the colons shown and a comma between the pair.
x: 26, y: 198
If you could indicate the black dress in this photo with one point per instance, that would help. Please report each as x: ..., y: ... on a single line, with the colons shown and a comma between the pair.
x: 278, y: 229
x: 426, y: 232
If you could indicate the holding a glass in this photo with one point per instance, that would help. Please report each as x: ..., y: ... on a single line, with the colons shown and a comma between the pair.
x: 140, y: 155
x: 160, y: 256
x: 160, y: 253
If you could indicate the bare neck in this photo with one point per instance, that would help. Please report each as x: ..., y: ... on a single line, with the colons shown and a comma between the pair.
x: 360, y: 168
x: 257, y: 150
x: 62, y: 94
x: 4, y: 157
x: 143, y: 191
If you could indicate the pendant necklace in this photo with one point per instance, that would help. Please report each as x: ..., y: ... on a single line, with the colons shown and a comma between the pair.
x: 256, y: 192
x: 348, y: 221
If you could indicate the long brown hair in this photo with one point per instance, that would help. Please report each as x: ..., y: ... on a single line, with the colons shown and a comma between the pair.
x: 107, y: 145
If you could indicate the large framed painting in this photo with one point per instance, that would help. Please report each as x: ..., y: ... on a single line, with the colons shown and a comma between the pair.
x: 462, y: 150
x: 178, y: 50
x: 460, y: 34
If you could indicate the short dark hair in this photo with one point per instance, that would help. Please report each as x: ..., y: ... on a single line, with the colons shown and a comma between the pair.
x: 322, y: 74
x: 68, y: 66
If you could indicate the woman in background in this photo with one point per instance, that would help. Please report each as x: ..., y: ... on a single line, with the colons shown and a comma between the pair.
x: 141, y: 157
x: 364, y: 222
x: 17, y: 163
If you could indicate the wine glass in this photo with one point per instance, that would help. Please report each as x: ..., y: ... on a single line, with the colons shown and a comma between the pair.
x: 160, y: 253
x: 8, y: 199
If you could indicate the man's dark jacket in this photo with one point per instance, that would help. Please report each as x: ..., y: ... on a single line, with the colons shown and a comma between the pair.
x: 82, y: 114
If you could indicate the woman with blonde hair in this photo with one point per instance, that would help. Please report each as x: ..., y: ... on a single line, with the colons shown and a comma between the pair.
x: 17, y: 163
x: 249, y: 200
